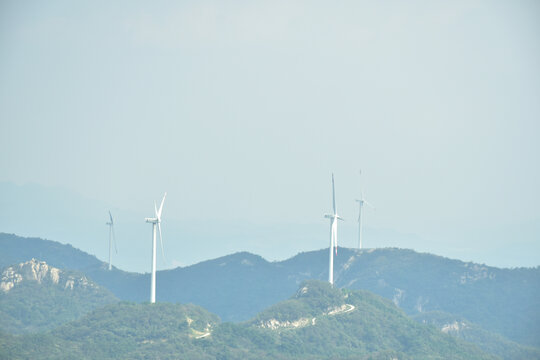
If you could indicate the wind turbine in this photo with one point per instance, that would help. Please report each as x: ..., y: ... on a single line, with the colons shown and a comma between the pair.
x: 334, y: 217
x: 112, y: 238
x: 361, y: 203
x: 155, y: 221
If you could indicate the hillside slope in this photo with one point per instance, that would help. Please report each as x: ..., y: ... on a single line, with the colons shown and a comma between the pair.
x: 237, y: 286
x: 341, y: 325
x: 489, y: 342
x: 35, y: 296
x: 506, y: 301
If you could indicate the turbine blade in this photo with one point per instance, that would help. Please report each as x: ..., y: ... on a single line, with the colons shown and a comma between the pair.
x: 110, y: 216
x: 360, y: 184
x: 161, y: 207
x: 161, y: 243
x: 333, y: 195
x: 114, y: 239
x: 155, y: 210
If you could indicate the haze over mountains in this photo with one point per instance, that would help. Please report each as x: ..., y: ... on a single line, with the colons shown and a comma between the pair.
x: 55, y: 213
x: 238, y: 286
x: 240, y: 111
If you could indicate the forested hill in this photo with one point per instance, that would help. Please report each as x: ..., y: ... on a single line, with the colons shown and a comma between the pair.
x: 318, y: 322
x: 35, y: 296
x: 16, y: 249
x: 237, y: 286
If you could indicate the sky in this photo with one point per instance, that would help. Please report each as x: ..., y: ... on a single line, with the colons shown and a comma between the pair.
x: 242, y: 110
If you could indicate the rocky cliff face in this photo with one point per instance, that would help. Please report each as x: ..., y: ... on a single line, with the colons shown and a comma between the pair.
x: 36, y: 296
x: 40, y: 272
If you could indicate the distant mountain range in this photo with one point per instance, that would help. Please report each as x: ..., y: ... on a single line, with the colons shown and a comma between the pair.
x: 238, y: 286
x: 71, y: 218
x: 318, y: 322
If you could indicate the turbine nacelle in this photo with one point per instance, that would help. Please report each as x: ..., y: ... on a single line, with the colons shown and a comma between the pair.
x: 333, y: 233
x: 155, y: 221
x: 362, y: 202
x: 336, y: 216
x: 111, y: 222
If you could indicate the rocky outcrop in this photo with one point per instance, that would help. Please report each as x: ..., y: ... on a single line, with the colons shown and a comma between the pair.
x: 41, y: 272
x: 474, y: 273
x: 454, y: 327
x: 275, y: 324
x: 399, y: 294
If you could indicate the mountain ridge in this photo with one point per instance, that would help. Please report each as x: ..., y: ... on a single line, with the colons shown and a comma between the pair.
x: 238, y: 286
x: 35, y: 296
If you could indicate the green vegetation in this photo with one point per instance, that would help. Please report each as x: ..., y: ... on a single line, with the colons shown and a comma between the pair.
x: 505, y: 301
x: 366, y: 327
x: 122, y: 330
x: 31, y: 306
x: 239, y: 286
x: 470, y: 332
x: 312, y: 299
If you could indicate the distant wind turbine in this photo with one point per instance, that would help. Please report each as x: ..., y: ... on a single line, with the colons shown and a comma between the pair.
x: 361, y: 203
x: 334, y: 217
x: 155, y: 221
x: 112, y: 238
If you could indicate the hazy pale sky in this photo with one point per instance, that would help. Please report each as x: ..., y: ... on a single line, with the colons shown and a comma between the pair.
x: 241, y: 110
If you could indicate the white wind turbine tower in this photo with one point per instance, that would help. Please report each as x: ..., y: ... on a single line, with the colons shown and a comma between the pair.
x: 361, y: 203
x: 112, y: 238
x: 333, y: 234
x: 155, y: 221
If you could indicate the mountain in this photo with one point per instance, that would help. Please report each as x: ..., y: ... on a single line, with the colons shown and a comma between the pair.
x: 238, y: 286
x: 125, y: 285
x: 506, y: 301
x: 16, y: 249
x: 489, y: 342
x: 318, y: 322
x: 35, y: 296
x: 121, y: 330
